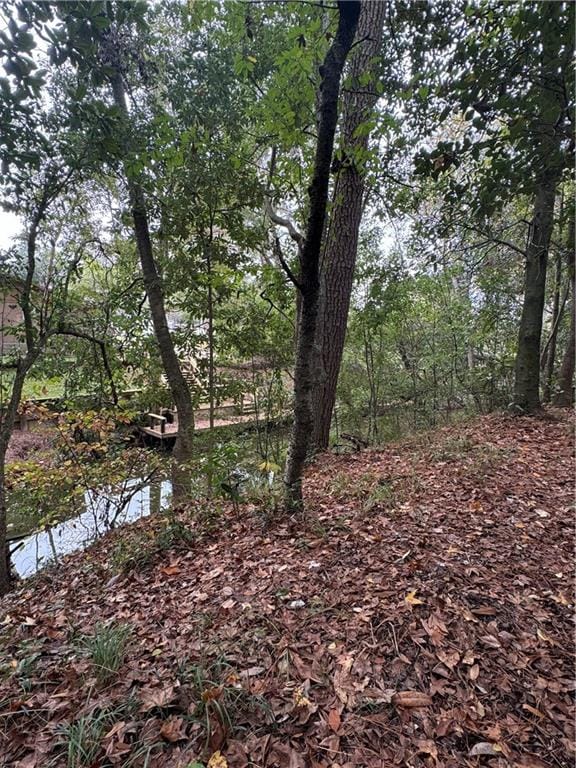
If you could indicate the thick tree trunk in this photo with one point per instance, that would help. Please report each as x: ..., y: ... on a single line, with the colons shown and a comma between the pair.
x: 310, y: 255
x: 155, y: 292
x: 548, y: 162
x: 527, y: 374
x: 564, y: 396
x: 342, y: 239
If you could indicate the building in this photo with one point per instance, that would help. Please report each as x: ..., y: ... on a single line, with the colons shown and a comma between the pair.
x: 11, y: 319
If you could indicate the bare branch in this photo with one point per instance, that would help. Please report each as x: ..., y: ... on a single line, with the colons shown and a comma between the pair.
x: 284, y: 264
x: 297, y: 236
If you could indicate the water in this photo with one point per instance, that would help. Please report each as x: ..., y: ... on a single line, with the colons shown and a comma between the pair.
x: 104, y: 512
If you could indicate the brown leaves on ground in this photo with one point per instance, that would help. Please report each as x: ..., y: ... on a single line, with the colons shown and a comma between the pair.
x: 429, y: 624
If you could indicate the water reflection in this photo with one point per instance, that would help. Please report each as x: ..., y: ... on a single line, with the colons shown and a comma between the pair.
x: 104, y: 511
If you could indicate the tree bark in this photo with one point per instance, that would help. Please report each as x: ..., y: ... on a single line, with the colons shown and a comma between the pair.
x: 527, y: 372
x: 155, y: 292
x: 331, y: 72
x: 548, y: 358
x: 564, y: 396
x: 35, y: 344
x: 548, y: 162
x: 6, y: 428
x: 342, y: 238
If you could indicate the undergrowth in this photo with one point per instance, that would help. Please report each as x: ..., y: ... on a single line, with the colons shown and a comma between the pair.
x: 107, y: 648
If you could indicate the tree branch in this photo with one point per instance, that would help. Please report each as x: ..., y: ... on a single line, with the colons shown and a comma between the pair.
x: 284, y: 264
x: 297, y: 236
x: 67, y: 330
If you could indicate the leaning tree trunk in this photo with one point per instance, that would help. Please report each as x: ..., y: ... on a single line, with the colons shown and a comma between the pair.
x: 309, y: 284
x: 564, y: 396
x: 342, y: 238
x: 155, y: 292
x: 527, y: 373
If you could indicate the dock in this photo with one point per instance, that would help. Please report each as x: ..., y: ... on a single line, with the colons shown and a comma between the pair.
x: 163, y: 427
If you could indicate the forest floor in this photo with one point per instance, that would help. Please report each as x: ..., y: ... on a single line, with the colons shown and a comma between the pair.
x: 34, y: 444
x: 421, y: 615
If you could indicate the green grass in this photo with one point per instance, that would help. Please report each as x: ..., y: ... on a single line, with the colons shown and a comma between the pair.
x: 217, y: 690
x: 107, y: 649
x: 51, y: 388
x: 83, y: 739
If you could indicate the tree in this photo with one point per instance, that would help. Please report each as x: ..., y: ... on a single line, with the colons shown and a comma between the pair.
x: 341, y: 244
x: 513, y: 84
x: 564, y: 395
x: 43, y: 285
x: 114, y: 56
x: 309, y: 276
x: 548, y: 357
x: 548, y: 126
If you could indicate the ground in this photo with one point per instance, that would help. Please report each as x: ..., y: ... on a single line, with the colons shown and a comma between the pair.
x: 420, y: 615
x: 34, y: 444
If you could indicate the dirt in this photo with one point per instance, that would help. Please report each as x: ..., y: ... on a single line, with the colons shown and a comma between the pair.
x: 32, y: 445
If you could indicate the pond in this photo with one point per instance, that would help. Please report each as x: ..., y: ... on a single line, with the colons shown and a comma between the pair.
x: 103, y: 512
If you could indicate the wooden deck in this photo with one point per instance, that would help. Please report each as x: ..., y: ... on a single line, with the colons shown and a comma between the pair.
x: 165, y: 431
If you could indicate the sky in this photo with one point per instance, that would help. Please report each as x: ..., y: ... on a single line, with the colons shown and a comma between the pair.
x: 10, y: 225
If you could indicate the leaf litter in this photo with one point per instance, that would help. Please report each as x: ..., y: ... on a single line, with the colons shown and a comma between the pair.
x: 434, y: 624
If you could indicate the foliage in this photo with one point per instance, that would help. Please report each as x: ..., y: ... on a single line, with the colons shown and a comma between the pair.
x: 106, y: 648
x: 222, y: 122
x: 92, y: 464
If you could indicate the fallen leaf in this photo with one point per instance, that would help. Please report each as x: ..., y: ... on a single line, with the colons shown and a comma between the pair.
x: 300, y: 700
x: 449, y: 658
x: 490, y: 641
x: 217, y: 761
x: 334, y: 720
x: 252, y: 671
x: 157, y: 697
x: 411, y: 699
x: 544, y: 637
x: 561, y: 599
x: 484, y: 610
x: 533, y: 710
x: 485, y: 748
x: 212, y: 694
x: 427, y: 747
x: 116, y: 729
x: 173, y: 729
x: 411, y: 598
x: 171, y: 570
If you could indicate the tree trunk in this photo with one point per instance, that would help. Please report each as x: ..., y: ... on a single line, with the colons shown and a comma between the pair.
x: 155, y: 292
x: 331, y: 72
x: 6, y: 428
x: 549, y: 356
x: 527, y: 373
x: 342, y: 239
x: 564, y: 396
x: 211, y: 377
